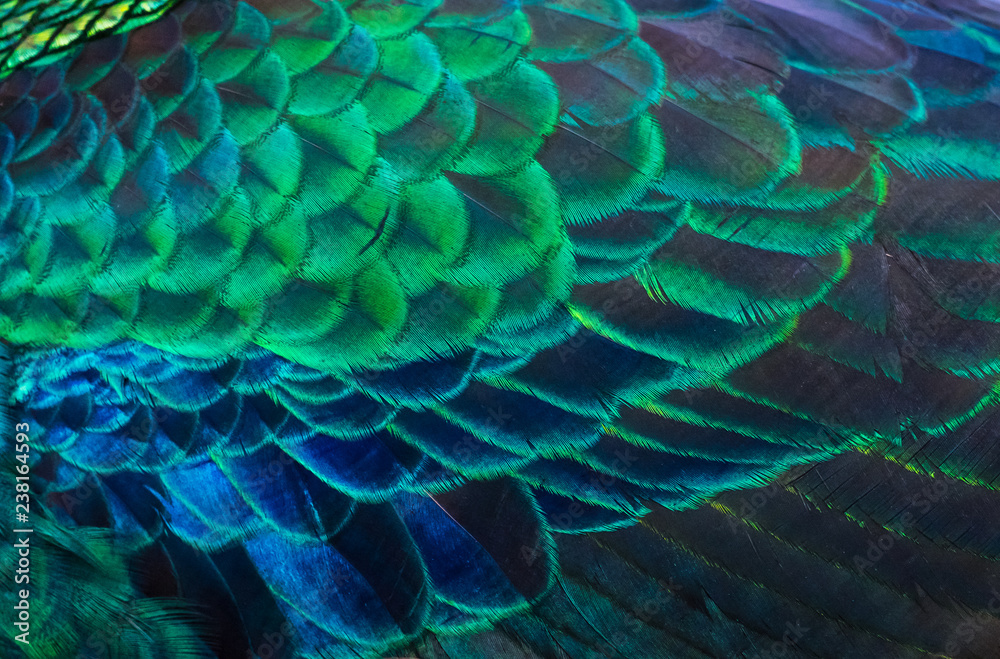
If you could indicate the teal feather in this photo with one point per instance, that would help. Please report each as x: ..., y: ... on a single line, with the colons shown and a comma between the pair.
x: 540, y: 328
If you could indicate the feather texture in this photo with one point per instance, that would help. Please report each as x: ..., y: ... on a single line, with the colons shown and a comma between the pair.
x: 460, y: 328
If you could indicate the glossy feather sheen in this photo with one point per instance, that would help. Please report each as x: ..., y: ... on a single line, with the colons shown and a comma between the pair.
x: 537, y: 328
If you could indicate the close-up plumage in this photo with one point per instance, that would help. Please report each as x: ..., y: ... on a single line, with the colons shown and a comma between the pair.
x: 533, y: 329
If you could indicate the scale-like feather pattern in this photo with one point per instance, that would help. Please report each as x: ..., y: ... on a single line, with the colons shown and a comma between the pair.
x: 363, y: 319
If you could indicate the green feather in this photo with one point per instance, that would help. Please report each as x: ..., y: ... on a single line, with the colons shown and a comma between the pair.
x: 477, y: 49
x: 409, y: 73
x: 508, y: 132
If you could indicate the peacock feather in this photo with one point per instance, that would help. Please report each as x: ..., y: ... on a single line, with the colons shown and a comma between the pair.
x: 502, y: 328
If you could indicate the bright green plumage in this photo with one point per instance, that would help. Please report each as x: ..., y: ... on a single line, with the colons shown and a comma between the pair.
x: 389, y: 325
